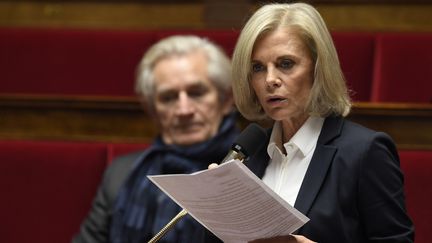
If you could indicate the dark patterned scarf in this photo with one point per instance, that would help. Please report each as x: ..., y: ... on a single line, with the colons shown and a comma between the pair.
x: 141, y: 209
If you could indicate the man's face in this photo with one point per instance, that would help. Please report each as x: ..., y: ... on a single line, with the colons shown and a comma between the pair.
x: 187, y: 104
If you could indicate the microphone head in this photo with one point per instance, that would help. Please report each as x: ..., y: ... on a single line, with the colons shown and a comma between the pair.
x: 250, y: 140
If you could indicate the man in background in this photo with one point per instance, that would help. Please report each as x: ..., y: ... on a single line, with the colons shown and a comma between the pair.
x: 185, y: 84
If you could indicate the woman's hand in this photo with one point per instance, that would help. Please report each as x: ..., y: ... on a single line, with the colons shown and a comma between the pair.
x: 278, y: 239
x: 285, y: 239
x: 213, y: 165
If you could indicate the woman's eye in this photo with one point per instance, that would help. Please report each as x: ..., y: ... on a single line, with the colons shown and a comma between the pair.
x: 286, y: 64
x: 256, y: 67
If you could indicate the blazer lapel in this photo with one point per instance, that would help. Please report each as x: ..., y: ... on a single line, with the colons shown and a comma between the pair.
x: 319, y: 165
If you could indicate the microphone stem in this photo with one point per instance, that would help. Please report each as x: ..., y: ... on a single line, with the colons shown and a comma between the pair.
x: 168, y: 226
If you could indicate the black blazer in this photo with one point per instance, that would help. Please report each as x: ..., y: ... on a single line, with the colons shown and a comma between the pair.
x: 353, y: 188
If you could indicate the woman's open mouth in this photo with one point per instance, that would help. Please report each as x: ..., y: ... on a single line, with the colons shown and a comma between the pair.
x: 276, y: 100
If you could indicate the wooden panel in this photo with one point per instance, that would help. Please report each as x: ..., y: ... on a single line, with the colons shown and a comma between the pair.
x: 123, y: 120
x: 350, y: 15
x: 71, y: 118
x: 101, y: 15
x: 410, y: 125
x: 252, y: 1
x: 377, y: 17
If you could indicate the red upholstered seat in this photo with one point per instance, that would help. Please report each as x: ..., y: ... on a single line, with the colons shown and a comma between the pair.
x: 70, y: 62
x: 81, y: 62
x: 403, y: 68
x: 389, y: 67
x: 118, y: 149
x: 226, y: 39
x: 417, y: 168
x: 356, y: 53
x: 47, y: 188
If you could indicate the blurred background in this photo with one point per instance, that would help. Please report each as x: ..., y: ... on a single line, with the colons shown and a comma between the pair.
x: 74, y: 60
x: 67, y: 105
x: 364, y: 15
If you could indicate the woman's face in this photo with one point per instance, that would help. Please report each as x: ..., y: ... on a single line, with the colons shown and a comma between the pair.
x: 282, y: 74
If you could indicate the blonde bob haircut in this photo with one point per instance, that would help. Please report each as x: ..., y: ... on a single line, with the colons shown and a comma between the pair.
x: 329, y: 94
x: 218, y: 65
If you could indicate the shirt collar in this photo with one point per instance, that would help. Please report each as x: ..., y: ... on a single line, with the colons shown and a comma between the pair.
x: 304, y: 139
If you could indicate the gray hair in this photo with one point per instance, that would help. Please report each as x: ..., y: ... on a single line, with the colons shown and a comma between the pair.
x: 329, y: 94
x: 218, y: 68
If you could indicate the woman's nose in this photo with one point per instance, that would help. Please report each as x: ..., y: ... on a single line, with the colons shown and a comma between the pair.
x: 272, y: 78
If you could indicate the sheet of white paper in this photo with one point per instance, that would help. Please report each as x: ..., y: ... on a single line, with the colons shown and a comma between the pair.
x: 232, y: 203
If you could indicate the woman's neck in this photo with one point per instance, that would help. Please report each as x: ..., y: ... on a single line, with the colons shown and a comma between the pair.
x: 291, y: 126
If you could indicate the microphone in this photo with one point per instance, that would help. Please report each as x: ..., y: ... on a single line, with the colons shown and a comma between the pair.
x: 250, y: 140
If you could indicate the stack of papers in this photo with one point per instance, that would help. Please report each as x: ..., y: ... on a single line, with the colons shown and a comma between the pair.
x: 232, y: 202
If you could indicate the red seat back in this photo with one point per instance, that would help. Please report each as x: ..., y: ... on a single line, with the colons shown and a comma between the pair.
x: 70, y: 62
x: 403, y: 68
x: 47, y: 188
x: 356, y: 53
x: 119, y: 149
x: 417, y: 168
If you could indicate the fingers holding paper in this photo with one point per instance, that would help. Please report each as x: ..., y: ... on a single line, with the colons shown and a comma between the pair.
x: 212, y: 166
